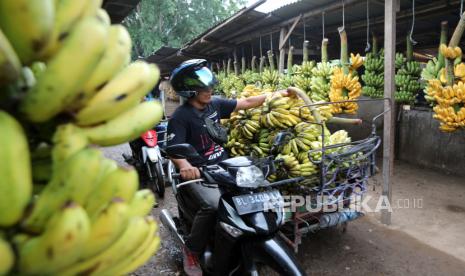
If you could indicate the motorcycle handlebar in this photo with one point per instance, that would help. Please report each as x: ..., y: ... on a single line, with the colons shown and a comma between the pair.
x: 287, y: 181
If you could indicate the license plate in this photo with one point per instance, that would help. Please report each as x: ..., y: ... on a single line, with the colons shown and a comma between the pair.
x: 246, y: 204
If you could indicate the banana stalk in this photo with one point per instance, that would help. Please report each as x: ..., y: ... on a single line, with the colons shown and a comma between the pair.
x: 253, y: 64
x: 454, y: 41
x: 409, y: 49
x: 228, y: 70
x: 243, y: 65
x: 271, y: 60
x: 324, y: 50
x: 236, y: 66
x: 262, y: 64
x: 344, y: 50
x: 289, y: 61
x: 305, y: 51
x: 443, y: 40
x: 374, y: 46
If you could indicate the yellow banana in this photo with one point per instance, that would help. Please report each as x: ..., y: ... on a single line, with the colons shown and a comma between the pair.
x: 294, y: 147
x: 130, y: 239
x: 56, y: 88
x: 116, y: 56
x: 127, y: 126
x: 15, y: 171
x: 122, y: 93
x: 74, y: 181
x: 59, y: 245
x: 7, y: 257
x: 103, y: 15
x: 121, y: 183
x: 28, y: 26
x: 68, y: 140
x: 67, y: 14
x: 139, y: 256
x: 92, y: 7
x: 106, y: 227
x: 142, y: 203
x: 10, y: 66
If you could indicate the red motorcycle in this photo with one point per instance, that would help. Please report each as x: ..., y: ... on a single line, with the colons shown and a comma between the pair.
x: 154, y: 169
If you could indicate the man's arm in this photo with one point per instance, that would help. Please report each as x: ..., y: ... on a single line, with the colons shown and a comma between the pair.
x: 255, y: 101
x: 187, y: 171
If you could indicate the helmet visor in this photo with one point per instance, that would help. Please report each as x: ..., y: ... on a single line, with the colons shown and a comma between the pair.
x: 201, y: 78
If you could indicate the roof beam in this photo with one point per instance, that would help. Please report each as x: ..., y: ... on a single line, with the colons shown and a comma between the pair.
x: 281, y: 42
x: 248, y: 28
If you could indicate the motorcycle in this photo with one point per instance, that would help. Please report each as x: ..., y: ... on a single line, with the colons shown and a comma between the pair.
x: 250, y: 213
x: 148, y: 158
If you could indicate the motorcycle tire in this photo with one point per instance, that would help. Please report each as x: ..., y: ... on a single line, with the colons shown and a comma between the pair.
x: 156, y: 181
x: 160, y: 179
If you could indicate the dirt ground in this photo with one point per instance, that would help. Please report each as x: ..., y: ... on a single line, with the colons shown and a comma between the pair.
x: 421, y: 241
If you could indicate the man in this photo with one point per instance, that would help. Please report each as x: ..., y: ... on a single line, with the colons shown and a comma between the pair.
x: 195, y: 82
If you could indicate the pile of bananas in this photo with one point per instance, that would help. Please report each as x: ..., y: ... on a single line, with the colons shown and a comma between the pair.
x: 344, y: 87
x: 250, y: 77
x: 407, y: 79
x: 230, y: 85
x: 64, y: 208
x: 373, y: 77
x: 303, y: 76
x: 270, y: 79
x: 321, y: 82
x: 450, y: 99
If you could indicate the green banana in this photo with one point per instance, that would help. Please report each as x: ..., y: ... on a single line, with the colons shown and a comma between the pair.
x: 7, y: 257
x: 142, y: 203
x: 120, y: 182
x: 106, y: 227
x: 10, y: 65
x: 67, y: 15
x: 15, y: 171
x: 127, y: 126
x: 130, y: 239
x: 59, y: 245
x: 28, y: 26
x: 116, y: 56
x: 120, y: 94
x: 141, y: 255
x: 56, y: 88
x: 74, y: 181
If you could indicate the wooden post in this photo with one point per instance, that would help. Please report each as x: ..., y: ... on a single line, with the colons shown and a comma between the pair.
x: 282, y: 34
x: 389, y: 117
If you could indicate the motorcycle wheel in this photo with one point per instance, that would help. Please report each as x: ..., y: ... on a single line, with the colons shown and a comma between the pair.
x: 157, y: 181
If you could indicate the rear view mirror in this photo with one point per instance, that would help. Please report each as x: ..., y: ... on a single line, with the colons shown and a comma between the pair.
x: 182, y: 151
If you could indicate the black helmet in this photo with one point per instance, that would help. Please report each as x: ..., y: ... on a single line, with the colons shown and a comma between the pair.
x: 192, y: 75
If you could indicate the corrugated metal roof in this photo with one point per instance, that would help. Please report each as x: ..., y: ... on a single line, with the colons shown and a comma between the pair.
x: 243, y: 31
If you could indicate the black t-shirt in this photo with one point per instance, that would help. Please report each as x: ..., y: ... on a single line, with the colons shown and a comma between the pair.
x: 186, y: 125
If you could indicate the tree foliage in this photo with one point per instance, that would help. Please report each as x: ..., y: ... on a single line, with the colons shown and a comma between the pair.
x: 157, y: 23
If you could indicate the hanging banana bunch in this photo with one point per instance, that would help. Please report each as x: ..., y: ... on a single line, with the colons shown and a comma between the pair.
x: 320, y: 83
x: 373, y: 76
x: 287, y: 80
x: 302, y: 77
x: 345, y: 84
x: 407, y: 76
x: 270, y: 76
x: 448, y: 90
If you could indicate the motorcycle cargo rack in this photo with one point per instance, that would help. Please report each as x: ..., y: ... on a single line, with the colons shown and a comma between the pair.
x: 341, y: 181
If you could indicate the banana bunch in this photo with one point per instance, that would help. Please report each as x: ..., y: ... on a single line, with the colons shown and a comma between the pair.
x: 285, y: 81
x: 344, y: 87
x: 407, y: 81
x: 400, y: 60
x: 246, y: 121
x: 431, y: 71
x: 449, y: 110
x: 237, y: 144
x: 250, y: 90
x: 64, y: 208
x: 231, y: 85
x: 355, y: 61
x: 270, y: 79
x: 450, y: 52
x: 250, y: 77
x: 321, y: 82
x: 302, y: 77
x: 373, y: 76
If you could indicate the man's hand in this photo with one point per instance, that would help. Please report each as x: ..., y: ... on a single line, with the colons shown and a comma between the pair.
x: 189, y: 172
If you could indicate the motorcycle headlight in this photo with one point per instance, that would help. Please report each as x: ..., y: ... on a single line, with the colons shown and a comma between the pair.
x: 249, y: 177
